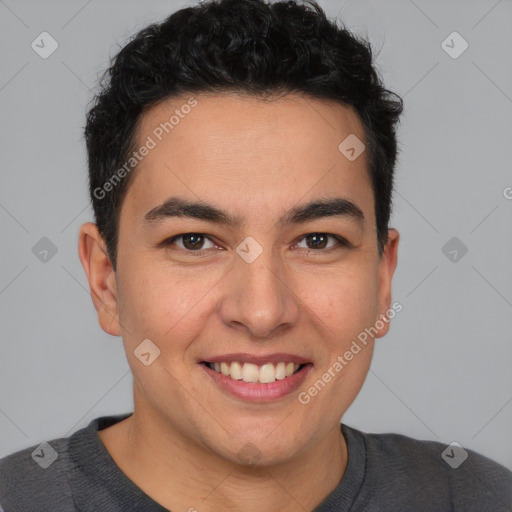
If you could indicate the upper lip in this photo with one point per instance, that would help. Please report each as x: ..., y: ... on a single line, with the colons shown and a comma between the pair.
x: 243, y: 357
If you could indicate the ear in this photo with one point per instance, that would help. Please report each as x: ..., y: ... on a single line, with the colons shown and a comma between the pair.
x: 387, y: 267
x: 101, y: 276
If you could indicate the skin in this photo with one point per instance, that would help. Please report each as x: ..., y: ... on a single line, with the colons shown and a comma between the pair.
x: 255, y: 159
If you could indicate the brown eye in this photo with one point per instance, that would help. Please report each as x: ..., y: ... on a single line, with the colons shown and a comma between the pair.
x: 317, y: 241
x: 190, y: 241
x: 320, y: 241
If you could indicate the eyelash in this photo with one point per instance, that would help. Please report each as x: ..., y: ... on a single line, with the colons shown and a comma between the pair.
x: 342, y: 242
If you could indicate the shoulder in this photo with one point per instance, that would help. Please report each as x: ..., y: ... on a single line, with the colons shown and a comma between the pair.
x: 55, y: 475
x: 37, y: 474
x: 437, y: 474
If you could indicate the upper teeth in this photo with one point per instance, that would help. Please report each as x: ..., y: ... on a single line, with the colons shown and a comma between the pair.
x: 249, y: 372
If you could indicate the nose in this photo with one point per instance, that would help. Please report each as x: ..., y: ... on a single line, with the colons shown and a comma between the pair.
x: 259, y: 298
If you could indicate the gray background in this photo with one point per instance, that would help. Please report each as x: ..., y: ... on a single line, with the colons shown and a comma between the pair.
x: 444, y: 370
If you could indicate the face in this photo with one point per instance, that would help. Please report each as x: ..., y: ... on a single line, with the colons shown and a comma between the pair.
x: 275, y: 262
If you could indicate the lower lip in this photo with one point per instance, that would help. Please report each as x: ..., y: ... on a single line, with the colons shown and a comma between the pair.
x: 257, y: 392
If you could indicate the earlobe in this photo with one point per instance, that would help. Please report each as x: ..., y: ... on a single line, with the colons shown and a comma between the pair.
x: 387, y: 266
x: 101, y: 277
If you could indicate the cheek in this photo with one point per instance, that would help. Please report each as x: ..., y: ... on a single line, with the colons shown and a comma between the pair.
x: 345, y: 302
x: 162, y: 304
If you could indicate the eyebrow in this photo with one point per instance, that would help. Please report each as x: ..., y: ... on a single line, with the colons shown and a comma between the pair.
x: 318, y: 209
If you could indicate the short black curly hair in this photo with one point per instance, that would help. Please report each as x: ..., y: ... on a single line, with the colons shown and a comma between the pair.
x: 240, y: 46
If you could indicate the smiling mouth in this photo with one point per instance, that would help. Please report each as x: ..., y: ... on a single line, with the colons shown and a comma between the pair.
x: 253, y: 373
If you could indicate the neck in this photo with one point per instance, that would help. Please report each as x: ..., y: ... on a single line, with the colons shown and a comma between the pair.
x: 182, y: 474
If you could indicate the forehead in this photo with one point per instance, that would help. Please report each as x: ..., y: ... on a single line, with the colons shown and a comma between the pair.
x: 248, y: 154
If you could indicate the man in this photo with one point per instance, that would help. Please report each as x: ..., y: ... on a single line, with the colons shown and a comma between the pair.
x: 241, y: 159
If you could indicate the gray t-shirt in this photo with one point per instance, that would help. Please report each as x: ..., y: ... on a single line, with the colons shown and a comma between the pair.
x: 385, y: 472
